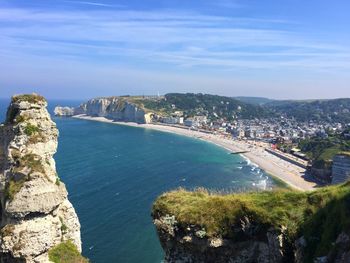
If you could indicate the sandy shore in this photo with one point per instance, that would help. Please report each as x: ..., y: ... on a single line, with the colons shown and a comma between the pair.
x: 289, y: 173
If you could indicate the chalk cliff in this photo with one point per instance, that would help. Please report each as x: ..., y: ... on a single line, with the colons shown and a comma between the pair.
x: 114, y: 108
x: 64, y: 111
x: 36, y: 215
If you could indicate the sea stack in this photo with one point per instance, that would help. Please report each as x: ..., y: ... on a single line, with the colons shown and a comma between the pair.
x: 36, y: 215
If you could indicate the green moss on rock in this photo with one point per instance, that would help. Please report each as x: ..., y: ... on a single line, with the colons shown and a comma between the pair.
x: 31, y: 98
x: 66, y: 252
x: 31, y: 129
x: 13, y: 187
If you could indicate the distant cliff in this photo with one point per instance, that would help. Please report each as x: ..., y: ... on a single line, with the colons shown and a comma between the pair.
x: 114, y: 108
x: 267, y: 227
x: 38, y: 223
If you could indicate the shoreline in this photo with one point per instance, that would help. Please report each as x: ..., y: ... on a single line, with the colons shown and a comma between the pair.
x: 275, y: 167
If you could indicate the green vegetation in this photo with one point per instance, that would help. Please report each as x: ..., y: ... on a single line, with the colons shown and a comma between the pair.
x: 322, y: 150
x: 212, y: 106
x: 64, y: 227
x: 31, y: 129
x: 31, y: 161
x: 13, y: 187
x: 31, y: 98
x: 21, y: 118
x: 318, y: 110
x: 66, y: 252
x: 308, y: 214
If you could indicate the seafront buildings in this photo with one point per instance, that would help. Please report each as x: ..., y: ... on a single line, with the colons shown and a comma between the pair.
x: 278, y: 136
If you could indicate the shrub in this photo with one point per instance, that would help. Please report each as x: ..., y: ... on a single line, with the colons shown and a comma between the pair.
x: 13, y: 187
x: 31, y: 98
x: 66, y: 252
x: 31, y: 129
x: 31, y: 161
x: 21, y: 118
x: 64, y: 227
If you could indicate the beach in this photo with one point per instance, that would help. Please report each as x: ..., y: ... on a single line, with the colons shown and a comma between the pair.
x: 289, y: 173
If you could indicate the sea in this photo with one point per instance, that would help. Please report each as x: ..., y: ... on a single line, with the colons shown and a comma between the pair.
x: 114, y: 173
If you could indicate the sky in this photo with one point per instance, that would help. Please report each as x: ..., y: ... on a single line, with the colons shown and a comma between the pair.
x: 282, y: 49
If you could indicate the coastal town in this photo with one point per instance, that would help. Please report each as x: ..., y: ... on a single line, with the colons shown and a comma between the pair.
x: 304, y: 154
x: 277, y: 136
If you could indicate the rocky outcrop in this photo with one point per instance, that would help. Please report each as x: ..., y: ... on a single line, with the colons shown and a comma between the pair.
x: 64, y: 111
x: 191, y: 244
x: 36, y: 214
x: 113, y: 108
x: 272, y: 226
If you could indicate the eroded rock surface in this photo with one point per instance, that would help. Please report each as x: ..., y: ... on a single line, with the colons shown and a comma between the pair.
x: 35, y: 212
x: 192, y: 245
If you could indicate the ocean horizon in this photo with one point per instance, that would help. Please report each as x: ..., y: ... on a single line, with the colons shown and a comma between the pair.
x: 113, y: 174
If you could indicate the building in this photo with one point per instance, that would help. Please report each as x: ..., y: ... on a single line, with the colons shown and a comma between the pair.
x: 190, y: 122
x: 341, y: 168
x: 173, y: 120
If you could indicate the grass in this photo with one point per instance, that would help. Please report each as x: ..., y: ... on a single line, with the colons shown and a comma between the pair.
x: 66, y: 252
x: 311, y: 214
x: 13, y: 187
x: 31, y: 98
x: 64, y: 227
x: 21, y: 118
x: 31, y: 161
x: 31, y: 129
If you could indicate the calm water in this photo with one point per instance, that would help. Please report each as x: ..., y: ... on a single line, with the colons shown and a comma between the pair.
x: 113, y: 174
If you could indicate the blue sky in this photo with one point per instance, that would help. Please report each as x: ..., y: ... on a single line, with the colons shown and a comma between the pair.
x: 290, y: 49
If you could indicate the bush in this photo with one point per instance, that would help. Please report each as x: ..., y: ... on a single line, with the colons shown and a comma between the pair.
x: 31, y: 129
x: 13, y: 187
x: 31, y: 161
x: 31, y: 98
x: 66, y: 252
x: 21, y: 118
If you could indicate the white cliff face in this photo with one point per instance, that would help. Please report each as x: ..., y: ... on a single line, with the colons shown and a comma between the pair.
x: 64, y: 111
x: 35, y: 212
x: 115, y: 108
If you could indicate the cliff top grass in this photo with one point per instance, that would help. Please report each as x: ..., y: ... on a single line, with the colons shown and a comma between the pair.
x: 319, y: 216
x: 31, y: 98
x: 346, y: 153
x: 66, y: 252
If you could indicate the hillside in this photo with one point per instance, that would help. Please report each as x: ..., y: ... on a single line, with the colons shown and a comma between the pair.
x: 322, y: 150
x: 275, y: 226
x: 337, y: 110
x: 213, y: 106
x: 254, y: 100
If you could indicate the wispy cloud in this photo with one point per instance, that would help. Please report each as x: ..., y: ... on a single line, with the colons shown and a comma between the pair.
x: 93, y: 3
x: 171, y: 37
x: 176, y: 40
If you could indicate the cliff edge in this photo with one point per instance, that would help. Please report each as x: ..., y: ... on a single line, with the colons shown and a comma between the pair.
x: 37, y: 220
x: 113, y: 108
x: 267, y: 227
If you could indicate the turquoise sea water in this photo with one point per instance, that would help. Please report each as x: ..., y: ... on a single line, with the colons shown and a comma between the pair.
x: 113, y: 174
